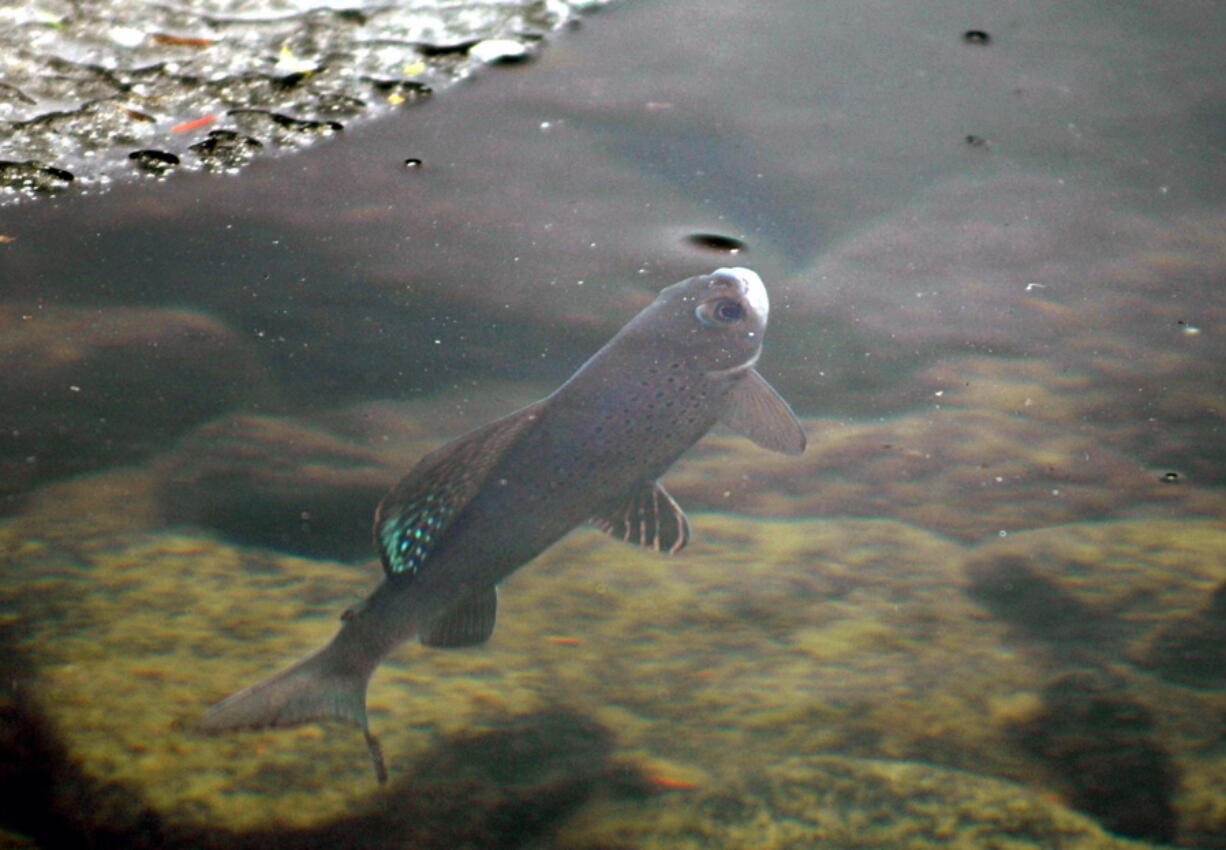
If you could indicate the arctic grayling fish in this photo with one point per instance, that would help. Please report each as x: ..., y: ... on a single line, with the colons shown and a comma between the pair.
x: 474, y: 511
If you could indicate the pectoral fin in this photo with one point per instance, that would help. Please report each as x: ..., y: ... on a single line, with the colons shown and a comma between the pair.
x: 649, y: 517
x: 469, y: 624
x: 756, y: 411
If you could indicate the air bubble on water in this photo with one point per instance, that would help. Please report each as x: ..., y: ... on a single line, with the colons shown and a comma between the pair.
x: 716, y: 243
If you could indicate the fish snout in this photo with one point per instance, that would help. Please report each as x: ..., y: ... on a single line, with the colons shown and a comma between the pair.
x: 747, y: 284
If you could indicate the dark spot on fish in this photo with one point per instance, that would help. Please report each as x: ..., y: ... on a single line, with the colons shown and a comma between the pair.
x: 413, y: 162
x: 977, y: 37
x: 1170, y: 478
x: 976, y: 141
x: 717, y: 243
x: 155, y: 162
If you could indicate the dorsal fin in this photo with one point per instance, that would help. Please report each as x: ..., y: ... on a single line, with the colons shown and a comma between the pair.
x: 756, y: 411
x: 647, y: 516
x: 468, y: 624
x: 415, y: 513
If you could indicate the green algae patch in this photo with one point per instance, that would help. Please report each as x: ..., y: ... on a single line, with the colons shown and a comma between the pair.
x: 772, y: 637
x: 771, y: 640
x: 1127, y: 618
x: 962, y: 473
x: 841, y: 804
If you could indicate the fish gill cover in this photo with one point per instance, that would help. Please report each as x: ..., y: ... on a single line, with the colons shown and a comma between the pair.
x: 94, y: 92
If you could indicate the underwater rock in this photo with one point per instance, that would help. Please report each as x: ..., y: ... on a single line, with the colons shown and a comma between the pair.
x: 523, y: 777
x: 1109, y: 589
x: 84, y: 387
x: 1104, y: 606
x: 843, y: 803
x: 310, y: 485
x: 1036, y: 605
x: 764, y: 638
x: 1192, y: 650
x: 1100, y: 745
x: 970, y: 474
x: 276, y: 482
x: 154, y: 161
x: 35, y: 178
x: 226, y: 149
x: 768, y: 639
x: 1153, y: 405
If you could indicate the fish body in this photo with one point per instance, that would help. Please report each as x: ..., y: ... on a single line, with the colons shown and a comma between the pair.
x: 472, y: 512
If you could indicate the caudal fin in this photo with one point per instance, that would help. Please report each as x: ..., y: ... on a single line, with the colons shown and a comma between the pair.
x: 315, y: 688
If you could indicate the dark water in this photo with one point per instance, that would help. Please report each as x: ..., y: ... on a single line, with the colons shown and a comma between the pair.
x: 995, y: 262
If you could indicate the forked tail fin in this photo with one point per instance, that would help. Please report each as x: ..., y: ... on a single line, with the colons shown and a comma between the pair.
x: 315, y: 688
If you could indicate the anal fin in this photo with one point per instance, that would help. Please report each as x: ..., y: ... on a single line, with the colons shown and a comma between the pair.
x: 649, y: 517
x: 468, y: 624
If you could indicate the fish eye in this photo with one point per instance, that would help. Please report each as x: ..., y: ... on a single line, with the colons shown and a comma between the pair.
x: 721, y: 311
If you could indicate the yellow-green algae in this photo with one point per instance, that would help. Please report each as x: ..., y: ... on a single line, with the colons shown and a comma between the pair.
x: 832, y: 803
x: 969, y: 474
x: 764, y: 640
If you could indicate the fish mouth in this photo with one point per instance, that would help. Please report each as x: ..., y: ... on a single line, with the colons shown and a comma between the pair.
x: 750, y: 286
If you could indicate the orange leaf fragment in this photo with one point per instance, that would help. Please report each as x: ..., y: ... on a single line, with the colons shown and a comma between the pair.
x: 164, y: 38
x: 670, y: 783
x: 202, y: 121
x: 565, y: 641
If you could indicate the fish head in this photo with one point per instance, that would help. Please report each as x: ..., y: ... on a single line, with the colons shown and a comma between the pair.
x: 714, y: 321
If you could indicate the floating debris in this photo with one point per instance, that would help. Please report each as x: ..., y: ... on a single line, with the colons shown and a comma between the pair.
x: 495, y: 50
x: 193, y: 124
x: 68, y: 102
x: 155, y: 162
x: 226, y: 149
x: 34, y: 177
